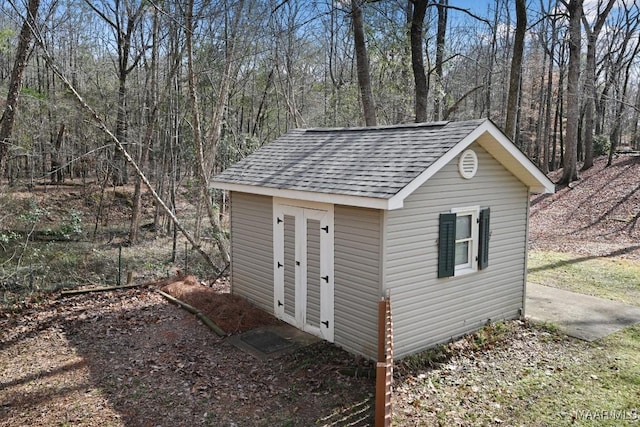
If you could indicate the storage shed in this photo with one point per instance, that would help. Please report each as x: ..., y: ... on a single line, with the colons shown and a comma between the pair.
x: 324, y: 221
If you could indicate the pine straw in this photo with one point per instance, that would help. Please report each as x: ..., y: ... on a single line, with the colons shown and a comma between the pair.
x: 232, y: 313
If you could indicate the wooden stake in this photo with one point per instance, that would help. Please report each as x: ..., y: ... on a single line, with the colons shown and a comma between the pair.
x: 100, y: 289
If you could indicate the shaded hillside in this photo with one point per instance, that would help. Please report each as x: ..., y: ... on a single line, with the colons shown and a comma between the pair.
x: 597, y: 215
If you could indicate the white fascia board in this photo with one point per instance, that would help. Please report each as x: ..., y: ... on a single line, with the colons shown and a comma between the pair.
x: 496, y: 144
x: 338, y: 199
x: 502, y: 148
x: 397, y: 201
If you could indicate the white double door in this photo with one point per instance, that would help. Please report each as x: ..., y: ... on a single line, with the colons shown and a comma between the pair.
x: 303, y: 267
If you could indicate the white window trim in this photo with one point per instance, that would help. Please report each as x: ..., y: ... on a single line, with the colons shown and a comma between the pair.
x: 472, y: 265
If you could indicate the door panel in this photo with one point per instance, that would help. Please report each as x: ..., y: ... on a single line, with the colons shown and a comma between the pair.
x: 290, y: 265
x: 303, y: 267
x: 313, y: 273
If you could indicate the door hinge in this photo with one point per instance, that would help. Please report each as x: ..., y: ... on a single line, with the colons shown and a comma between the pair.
x: 279, y: 265
x: 297, y: 262
x: 326, y: 229
x: 325, y: 278
x: 278, y: 221
x: 325, y: 323
x: 280, y: 304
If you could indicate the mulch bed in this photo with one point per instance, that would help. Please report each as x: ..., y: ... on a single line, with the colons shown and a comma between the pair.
x: 232, y: 313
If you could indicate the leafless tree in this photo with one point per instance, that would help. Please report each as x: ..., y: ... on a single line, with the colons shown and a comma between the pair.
x: 590, y: 77
x: 22, y: 50
x: 516, y: 69
x: 570, y: 165
x: 417, y: 59
x: 362, y: 61
x: 124, y: 18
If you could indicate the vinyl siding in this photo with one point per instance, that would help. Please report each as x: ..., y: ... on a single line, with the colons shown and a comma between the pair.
x: 427, y: 310
x: 357, y: 278
x: 252, y: 248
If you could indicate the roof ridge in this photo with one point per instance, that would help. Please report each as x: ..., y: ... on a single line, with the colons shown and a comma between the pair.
x: 381, y: 127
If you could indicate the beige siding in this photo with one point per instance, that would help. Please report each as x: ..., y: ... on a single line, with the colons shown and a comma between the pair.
x: 252, y: 250
x: 357, y: 278
x: 428, y: 310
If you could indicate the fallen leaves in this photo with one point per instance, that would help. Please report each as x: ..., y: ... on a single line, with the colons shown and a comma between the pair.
x: 129, y: 357
x: 598, y: 215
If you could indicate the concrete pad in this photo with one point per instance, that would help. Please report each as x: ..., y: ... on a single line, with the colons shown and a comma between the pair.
x: 582, y: 316
x: 284, y: 333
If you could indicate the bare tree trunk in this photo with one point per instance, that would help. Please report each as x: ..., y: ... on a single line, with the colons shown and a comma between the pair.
x: 17, y: 73
x: 152, y: 102
x: 590, y: 78
x: 417, y: 60
x: 124, y: 17
x: 616, y: 132
x: 516, y: 69
x: 492, y: 58
x: 119, y: 169
x: 570, y: 165
x: 57, y: 174
x: 362, y: 63
x: 440, y: 40
x: 636, y: 118
x: 197, y: 132
x: 541, y: 124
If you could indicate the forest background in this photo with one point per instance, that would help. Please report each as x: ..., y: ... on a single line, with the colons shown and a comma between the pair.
x: 156, y: 97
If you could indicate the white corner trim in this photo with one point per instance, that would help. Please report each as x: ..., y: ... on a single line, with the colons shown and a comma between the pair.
x: 543, y: 184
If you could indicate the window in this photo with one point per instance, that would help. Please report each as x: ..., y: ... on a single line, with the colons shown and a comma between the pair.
x: 463, y: 243
x: 465, y: 233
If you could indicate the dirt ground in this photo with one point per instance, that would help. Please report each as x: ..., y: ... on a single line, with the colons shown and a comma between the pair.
x: 595, y: 216
x: 131, y: 358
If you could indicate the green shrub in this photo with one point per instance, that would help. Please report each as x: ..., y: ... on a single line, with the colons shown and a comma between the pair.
x: 601, y: 145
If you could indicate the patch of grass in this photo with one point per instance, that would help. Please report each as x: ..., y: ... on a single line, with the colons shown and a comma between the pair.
x: 425, y: 360
x: 536, y: 381
x: 489, y: 336
x: 615, y: 279
x: 549, y: 327
x: 602, y: 387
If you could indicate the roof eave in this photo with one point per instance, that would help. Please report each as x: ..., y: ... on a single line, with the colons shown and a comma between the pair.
x: 310, y: 196
x: 499, y: 146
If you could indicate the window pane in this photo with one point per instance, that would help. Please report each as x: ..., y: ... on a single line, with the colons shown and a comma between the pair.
x: 462, y: 253
x: 463, y: 227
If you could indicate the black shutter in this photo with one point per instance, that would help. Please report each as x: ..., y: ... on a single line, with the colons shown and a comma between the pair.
x: 447, y: 245
x: 483, y: 244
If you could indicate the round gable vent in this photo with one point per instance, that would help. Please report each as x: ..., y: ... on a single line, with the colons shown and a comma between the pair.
x: 468, y: 164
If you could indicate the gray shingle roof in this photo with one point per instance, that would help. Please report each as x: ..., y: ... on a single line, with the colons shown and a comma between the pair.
x: 372, y: 162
